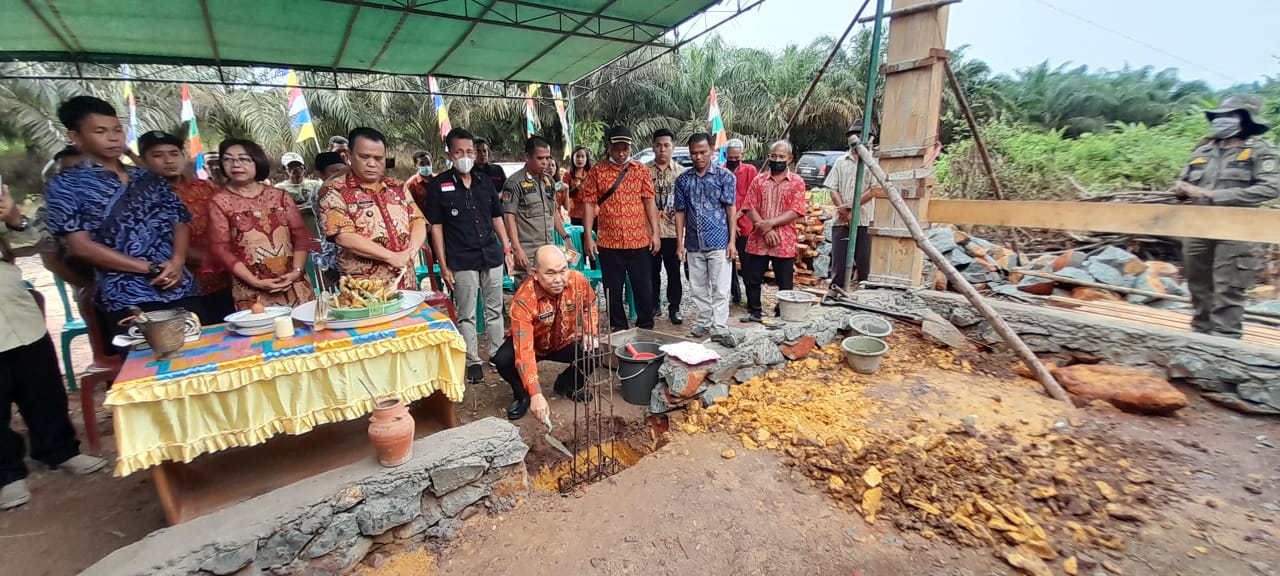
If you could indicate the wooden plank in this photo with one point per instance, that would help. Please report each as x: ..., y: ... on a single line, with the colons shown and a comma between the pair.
x: 215, y: 481
x: 1216, y: 222
x: 1145, y: 315
x: 909, y: 120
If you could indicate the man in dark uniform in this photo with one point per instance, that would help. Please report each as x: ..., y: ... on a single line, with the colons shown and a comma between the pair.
x: 1230, y: 167
x: 465, y: 213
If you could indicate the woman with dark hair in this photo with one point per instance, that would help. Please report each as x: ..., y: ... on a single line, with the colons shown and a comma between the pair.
x: 571, y: 197
x: 258, y: 233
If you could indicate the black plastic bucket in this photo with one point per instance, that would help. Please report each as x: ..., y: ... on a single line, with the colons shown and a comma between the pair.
x: 639, y: 377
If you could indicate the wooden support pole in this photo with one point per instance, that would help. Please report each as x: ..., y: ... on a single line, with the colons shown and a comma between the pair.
x: 909, y: 120
x: 1001, y: 327
x: 823, y: 70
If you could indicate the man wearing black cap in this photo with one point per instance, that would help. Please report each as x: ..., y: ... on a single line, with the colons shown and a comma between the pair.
x: 329, y: 166
x: 842, y: 181
x: 620, y: 192
x: 162, y: 153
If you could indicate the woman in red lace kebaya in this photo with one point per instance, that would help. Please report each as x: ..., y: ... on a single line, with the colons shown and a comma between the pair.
x: 258, y: 233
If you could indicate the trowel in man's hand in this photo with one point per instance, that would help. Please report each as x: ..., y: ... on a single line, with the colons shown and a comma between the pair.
x: 552, y: 439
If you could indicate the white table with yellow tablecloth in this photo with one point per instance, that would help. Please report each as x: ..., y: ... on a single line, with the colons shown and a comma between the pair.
x: 230, y: 417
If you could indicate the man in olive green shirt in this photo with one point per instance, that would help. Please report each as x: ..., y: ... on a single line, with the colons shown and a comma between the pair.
x: 29, y: 375
x: 1230, y: 167
x: 664, y: 172
x: 529, y: 204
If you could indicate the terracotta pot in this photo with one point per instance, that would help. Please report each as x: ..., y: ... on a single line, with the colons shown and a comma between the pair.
x: 391, y: 432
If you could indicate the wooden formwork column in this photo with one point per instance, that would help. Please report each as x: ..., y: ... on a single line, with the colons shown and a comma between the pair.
x: 914, y: 80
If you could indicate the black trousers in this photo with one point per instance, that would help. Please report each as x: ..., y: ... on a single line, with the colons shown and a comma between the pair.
x: 668, y: 258
x: 573, y: 377
x: 112, y: 327
x: 30, y: 378
x: 216, y: 306
x: 735, y: 293
x: 840, y: 254
x: 753, y: 270
x: 618, y: 266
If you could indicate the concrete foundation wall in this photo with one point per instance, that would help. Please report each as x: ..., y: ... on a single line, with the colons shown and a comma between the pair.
x: 328, y: 523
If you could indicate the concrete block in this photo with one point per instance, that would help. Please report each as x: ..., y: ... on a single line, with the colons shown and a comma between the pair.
x: 379, y: 514
x: 413, y: 528
x: 281, y: 548
x: 342, y: 530
x: 431, y: 511
x: 445, y: 530
x: 453, y: 503
x: 457, y: 474
x: 748, y: 372
x: 714, y: 392
x: 228, y: 562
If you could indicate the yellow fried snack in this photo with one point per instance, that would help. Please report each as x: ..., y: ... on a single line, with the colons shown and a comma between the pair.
x: 363, y: 292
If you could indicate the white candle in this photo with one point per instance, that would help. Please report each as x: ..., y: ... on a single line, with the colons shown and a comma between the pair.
x: 284, y: 327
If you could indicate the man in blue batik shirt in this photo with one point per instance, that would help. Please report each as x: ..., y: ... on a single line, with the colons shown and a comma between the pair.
x: 124, y: 221
x: 704, y: 205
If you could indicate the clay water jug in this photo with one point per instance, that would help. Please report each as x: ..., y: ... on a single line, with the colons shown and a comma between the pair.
x: 391, y: 432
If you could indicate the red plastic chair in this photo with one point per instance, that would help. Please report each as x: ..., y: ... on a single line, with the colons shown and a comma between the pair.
x: 103, y: 371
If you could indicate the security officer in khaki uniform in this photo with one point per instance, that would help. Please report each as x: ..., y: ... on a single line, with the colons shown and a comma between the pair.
x: 531, y: 215
x: 1231, y: 167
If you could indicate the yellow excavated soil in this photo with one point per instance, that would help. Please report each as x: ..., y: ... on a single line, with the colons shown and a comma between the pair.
x: 548, y: 477
x: 1033, y: 492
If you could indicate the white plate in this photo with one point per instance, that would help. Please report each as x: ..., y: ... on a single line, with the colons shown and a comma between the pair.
x: 409, y: 302
x: 254, y: 331
x: 247, y: 319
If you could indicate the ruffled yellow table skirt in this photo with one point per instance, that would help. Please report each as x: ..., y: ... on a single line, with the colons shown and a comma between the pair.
x: 225, y: 391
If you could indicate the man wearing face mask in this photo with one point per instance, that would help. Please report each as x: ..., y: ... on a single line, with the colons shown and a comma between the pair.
x: 466, y: 212
x: 842, y: 181
x: 416, y: 185
x: 774, y: 203
x: 1230, y: 167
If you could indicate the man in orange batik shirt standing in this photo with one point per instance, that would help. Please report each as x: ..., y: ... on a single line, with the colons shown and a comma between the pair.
x: 374, y: 222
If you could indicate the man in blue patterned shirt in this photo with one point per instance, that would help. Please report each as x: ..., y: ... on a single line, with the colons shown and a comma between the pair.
x: 704, y: 206
x: 124, y: 221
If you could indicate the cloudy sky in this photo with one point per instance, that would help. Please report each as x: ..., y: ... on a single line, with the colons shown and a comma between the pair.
x: 1222, y: 42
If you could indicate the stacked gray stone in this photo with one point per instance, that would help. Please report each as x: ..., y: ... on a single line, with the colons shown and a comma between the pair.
x: 1107, y: 265
x: 330, y: 522
x: 755, y: 351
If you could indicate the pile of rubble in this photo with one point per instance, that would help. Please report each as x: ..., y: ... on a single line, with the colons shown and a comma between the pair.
x: 1073, y: 273
x: 1057, y: 495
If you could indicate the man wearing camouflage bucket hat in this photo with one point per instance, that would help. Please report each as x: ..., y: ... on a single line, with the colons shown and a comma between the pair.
x: 1230, y: 167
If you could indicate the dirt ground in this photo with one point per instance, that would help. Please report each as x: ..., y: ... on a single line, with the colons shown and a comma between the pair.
x: 686, y: 508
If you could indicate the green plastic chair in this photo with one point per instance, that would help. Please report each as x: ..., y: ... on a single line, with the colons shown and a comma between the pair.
x: 70, y: 330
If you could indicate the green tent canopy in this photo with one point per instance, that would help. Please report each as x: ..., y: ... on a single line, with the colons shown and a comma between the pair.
x: 552, y: 41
